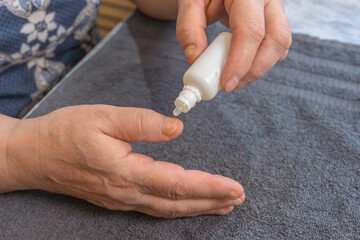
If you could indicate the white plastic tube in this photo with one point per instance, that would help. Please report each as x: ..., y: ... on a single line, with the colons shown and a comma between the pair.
x: 202, y: 79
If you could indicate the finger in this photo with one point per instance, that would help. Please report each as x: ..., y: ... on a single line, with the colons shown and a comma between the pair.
x: 138, y: 124
x: 172, y: 181
x: 222, y: 212
x: 275, y: 45
x: 190, y: 28
x: 154, y: 213
x: 186, y: 207
x: 246, y: 20
x: 214, y: 11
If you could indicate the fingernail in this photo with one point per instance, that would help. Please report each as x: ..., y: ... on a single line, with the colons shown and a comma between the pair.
x: 231, y: 83
x: 222, y: 212
x: 226, y: 210
x: 189, y: 50
x: 233, y: 195
x: 170, y: 126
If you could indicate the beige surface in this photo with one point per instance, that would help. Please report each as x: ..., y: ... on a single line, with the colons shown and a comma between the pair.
x: 111, y: 13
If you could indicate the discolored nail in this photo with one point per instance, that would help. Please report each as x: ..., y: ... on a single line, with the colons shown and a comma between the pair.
x: 222, y: 212
x: 233, y: 195
x: 170, y: 126
x: 190, y: 50
x: 226, y: 210
x: 231, y: 83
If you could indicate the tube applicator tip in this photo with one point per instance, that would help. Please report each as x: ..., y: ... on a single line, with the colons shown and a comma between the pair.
x: 177, y: 111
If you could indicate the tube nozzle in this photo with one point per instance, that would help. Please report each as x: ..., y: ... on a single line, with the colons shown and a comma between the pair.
x: 177, y: 111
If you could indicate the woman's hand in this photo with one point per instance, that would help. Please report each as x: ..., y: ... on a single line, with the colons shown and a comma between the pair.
x: 261, y: 35
x: 85, y: 152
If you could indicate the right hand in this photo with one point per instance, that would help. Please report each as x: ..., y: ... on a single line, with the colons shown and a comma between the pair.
x: 261, y: 35
x: 85, y: 152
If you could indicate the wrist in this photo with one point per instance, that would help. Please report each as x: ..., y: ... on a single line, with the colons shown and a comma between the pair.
x: 7, y: 180
x: 20, y: 154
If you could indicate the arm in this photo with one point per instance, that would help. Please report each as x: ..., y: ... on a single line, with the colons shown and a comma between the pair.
x: 159, y: 9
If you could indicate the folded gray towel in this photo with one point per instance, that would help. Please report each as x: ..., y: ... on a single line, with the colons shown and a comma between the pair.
x: 291, y: 139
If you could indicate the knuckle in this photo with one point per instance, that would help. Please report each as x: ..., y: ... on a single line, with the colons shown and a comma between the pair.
x: 178, y: 191
x: 142, y: 119
x: 98, y: 114
x: 117, y: 206
x: 218, y: 204
x: 124, y: 202
x: 282, y: 35
x: 190, y: 4
x: 256, y: 73
x: 255, y: 30
x: 257, y: 34
x: 101, y: 112
x: 177, y: 211
x: 133, y: 197
x: 80, y: 128
x: 127, y: 195
x: 284, y: 39
x: 79, y: 134
x: 182, y: 29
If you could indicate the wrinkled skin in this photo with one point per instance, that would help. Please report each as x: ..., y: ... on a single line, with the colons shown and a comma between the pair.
x: 85, y: 152
x: 261, y: 33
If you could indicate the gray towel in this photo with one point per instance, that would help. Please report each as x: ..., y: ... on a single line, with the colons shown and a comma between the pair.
x: 291, y: 139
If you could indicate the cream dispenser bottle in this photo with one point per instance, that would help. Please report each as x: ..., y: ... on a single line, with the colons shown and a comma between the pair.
x: 202, y: 79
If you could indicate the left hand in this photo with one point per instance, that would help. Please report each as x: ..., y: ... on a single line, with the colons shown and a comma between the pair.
x: 261, y: 35
x: 85, y: 151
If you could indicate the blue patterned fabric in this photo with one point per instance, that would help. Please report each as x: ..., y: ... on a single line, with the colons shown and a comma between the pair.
x: 39, y: 41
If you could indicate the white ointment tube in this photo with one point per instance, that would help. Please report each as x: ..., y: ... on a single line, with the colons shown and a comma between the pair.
x: 202, y: 79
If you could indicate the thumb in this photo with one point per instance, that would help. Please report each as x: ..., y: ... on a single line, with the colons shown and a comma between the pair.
x: 139, y: 124
x: 190, y: 28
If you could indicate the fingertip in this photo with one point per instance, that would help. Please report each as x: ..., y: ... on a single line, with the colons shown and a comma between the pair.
x: 229, y: 78
x: 231, y: 83
x: 189, y: 52
x: 180, y: 127
x: 235, y: 193
x: 239, y: 201
x: 231, y: 189
x: 172, y: 127
x: 225, y: 211
x: 223, y: 84
x: 190, y: 28
x: 192, y: 52
x: 238, y: 190
x: 223, y: 80
x: 229, y: 209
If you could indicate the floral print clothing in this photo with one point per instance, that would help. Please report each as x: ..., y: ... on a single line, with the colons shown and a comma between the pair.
x: 39, y: 41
